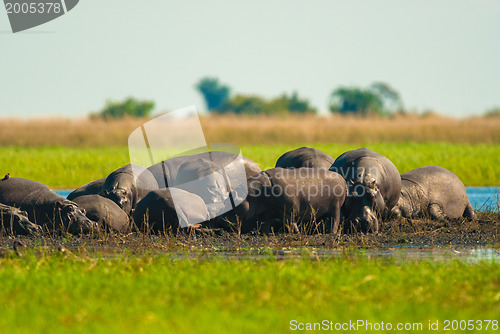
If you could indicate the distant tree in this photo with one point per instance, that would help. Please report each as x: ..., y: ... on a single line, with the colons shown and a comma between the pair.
x: 244, y: 104
x: 130, y: 107
x: 352, y: 100
x: 214, y: 93
x: 253, y: 105
x: 390, y: 96
x: 378, y: 99
x: 492, y: 112
x: 292, y: 104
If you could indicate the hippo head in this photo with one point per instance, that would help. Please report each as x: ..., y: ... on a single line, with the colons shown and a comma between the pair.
x: 19, y: 222
x: 122, y: 196
x: 73, y: 218
x: 366, y: 203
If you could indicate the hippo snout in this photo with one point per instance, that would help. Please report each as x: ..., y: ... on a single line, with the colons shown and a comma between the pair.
x: 367, y: 221
x: 83, y: 225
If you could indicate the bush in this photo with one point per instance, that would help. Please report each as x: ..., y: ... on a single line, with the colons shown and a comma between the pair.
x: 255, y: 105
x: 131, y: 107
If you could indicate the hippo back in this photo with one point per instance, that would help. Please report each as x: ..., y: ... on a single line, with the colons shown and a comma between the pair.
x: 305, y: 157
x: 91, y: 188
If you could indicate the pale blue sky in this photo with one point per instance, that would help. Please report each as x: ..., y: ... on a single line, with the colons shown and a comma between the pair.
x: 443, y: 55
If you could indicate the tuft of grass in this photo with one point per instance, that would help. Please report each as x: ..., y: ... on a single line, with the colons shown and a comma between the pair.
x: 200, y: 293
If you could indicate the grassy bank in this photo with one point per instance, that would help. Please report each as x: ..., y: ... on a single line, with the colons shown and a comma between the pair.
x: 66, y: 167
x: 189, y: 293
x: 246, y: 130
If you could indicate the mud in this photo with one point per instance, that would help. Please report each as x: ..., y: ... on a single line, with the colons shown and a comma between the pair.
x: 396, y: 233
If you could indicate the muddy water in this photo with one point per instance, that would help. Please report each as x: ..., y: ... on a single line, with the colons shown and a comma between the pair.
x: 398, y: 253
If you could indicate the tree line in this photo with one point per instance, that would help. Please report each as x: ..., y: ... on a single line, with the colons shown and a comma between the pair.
x: 377, y: 99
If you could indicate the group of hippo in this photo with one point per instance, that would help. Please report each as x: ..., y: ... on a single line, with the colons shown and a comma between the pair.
x: 307, y: 188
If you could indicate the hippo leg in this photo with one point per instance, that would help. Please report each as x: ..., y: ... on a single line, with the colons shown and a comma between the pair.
x: 469, y: 212
x: 436, y: 212
x: 336, y: 220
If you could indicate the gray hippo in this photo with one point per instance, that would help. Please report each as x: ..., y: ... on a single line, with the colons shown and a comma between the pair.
x: 166, y: 171
x: 104, y: 211
x: 299, y: 196
x: 433, y: 192
x: 158, y: 212
x: 91, y: 188
x: 127, y: 185
x: 16, y: 221
x: 44, y: 207
x: 205, y: 179
x: 374, y: 187
x: 305, y: 157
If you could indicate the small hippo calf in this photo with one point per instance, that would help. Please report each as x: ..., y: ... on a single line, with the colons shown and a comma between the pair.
x: 105, y: 212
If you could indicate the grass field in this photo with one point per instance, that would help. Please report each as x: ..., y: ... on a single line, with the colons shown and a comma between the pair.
x: 67, y: 167
x: 241, y: 130
x: 166, y: 285
x: 209, y: 293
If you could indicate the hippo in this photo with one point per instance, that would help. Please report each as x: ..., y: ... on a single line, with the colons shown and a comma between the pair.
x: 434, y: 192
x: 127, y: 185
x: 16, y: 221
x: 91, y: 188
x: 105, y: 212
x: 158, y: 213
x: 298, y: 195
x: 166, y: 171
x: 305, y: 157
x: 374, y: 187
x: 44, y: 207
x: 205, y: 179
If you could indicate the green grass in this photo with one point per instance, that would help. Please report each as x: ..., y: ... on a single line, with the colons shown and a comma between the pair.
x: 187, y: 293
x: 62, y: 167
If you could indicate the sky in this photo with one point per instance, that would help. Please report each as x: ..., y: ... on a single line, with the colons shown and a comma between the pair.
x: 442, y: 55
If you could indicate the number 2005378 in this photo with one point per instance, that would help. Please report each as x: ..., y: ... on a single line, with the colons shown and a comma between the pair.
x: 33, y: 8
x: 453, y: 325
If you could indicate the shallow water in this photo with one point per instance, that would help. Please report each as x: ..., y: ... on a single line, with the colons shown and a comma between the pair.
x: 396, y: 253
x: 484, y: 198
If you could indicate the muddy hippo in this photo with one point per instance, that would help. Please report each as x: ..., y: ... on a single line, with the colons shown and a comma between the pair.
x: 305, y: 157
x: 91, y: 188
x: 16, y: 221
x: 374, y: 187
x: 158, y: 212
x: 45, y: 207
x: 433, y: 192
x: 127, y: 185
x: 299, y: 196
x: 166, y: 171
x: 105, y: 212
